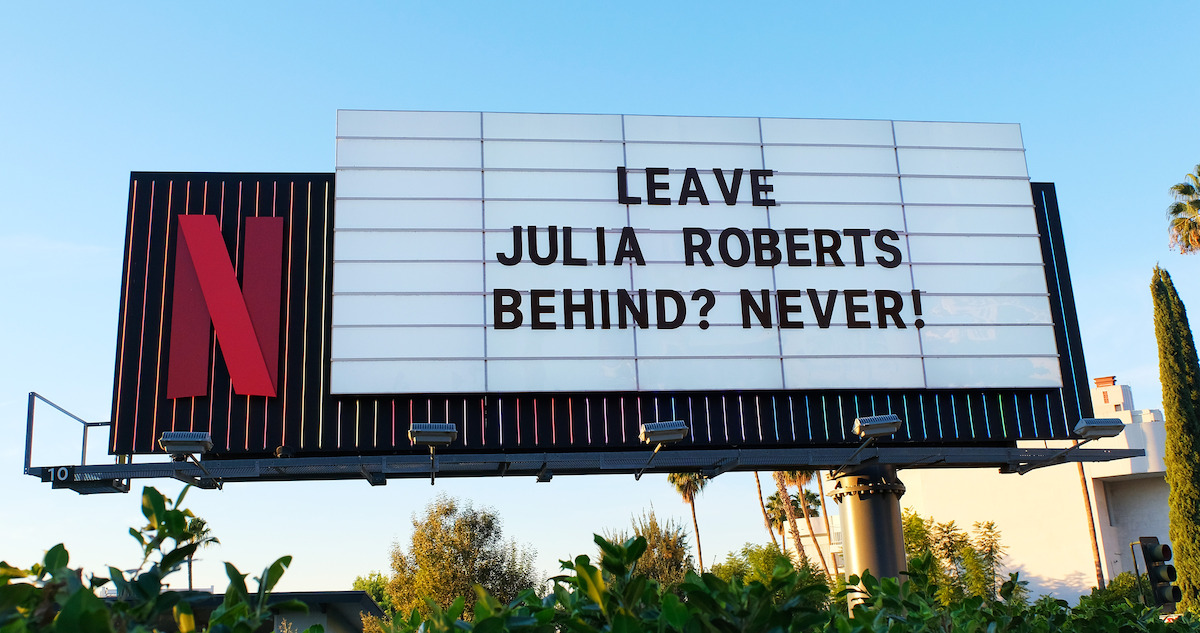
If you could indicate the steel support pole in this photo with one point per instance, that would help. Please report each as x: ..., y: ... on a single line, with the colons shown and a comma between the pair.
x: 29, y: 431
x: 872, y: 533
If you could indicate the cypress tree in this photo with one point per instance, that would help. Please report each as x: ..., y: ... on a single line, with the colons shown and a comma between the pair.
x: 1179, y: 373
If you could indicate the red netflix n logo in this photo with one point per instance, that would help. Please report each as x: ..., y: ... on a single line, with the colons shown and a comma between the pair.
x: 206, y: 297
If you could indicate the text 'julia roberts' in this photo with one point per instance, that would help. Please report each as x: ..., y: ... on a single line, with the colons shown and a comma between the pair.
x: 732, y: 247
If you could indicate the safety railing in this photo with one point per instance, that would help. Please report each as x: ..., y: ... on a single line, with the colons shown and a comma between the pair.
x: 34, y: 397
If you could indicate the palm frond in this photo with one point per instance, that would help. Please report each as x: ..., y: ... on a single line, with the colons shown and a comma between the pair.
x: 1184, y: 214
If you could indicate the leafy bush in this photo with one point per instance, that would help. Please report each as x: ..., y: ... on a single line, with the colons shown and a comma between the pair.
x: 757, y: 562
x: 613, y: 598
x: 964, y: 565
x: 51, y: 597
x: 1121, y: 588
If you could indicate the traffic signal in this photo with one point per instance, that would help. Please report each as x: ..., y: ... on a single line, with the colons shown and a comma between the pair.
x: 1161, y: 574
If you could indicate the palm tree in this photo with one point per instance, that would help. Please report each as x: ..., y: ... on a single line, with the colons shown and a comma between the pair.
x: 813, y: 502
x: 688, y: 485
x: 781, y: 482
x: 1185, y: 213
x: 1087, y: 506
x: 761, y: 504
x: 778, y: 519
x: 778, y: 515
x: 800, y: 479
x: 201, y: 535
x: 828, y: 530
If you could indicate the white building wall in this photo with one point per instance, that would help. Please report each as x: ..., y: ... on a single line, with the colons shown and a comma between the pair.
x: 1135, y: 508
x: 1041, y: 515
x: 829, y: 544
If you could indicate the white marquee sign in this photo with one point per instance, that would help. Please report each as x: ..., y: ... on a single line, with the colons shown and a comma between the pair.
x: 485, y: 252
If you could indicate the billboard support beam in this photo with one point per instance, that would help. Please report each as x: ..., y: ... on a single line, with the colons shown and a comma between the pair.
x: 869, y: 496
x: 83, y: 478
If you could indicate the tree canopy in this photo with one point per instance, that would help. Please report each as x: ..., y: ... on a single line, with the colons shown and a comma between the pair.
x: 753, y: 563
x: 454, y: 547
x: 1184, y: 213
x: 375, y: 584
x: 962, y: 565
x: 1179, y: 373
x: 667, y: 558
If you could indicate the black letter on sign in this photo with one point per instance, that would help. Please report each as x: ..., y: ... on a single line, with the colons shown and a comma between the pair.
x: 500, y: 308
x: 660, y: 297
x: 759, y: 188
x: 692, y: 187
x: 823, y: 249
x: 729, y: 192
x: 743, y: 243
x: 627, y: 247
x: 786, y: 310
x: 623, y: 189
x: 763, y: 311
x: 857, y: 234
x: 537, y: 309
x: 853, y: 308
x: 627, y: 308
x: 887, y: 248
x: 824, y: 313
x: 552, y: 236
x: 515, y: 258
x: 888, y: 304
x: 599, y: 246
x: 766, y: 247
x: 568, y: 260
x: 691, y: 248
x: 570, y: 308
x: 653, y: 185
x: 795, y: 247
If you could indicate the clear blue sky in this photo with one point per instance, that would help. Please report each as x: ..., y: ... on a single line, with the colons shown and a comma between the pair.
x: 92, y: 91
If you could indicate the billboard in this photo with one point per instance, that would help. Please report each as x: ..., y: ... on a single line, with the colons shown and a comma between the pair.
x: 551, y: 282
x: 484, y: 252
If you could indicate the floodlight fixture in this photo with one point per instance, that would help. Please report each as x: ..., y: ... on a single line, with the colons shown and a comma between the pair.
x: 1097, y: 428
x: 180, y: 444
x: 1090, y: 429
x: 870, y: 428
x: 873, y: 426
x: 433, y: 435
x: 544, y: 474
x: 659, y: 434
x: 185, y: 446
x: 663, y: 432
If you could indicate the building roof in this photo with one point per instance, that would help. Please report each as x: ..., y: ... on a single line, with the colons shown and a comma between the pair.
x: 348, y: 605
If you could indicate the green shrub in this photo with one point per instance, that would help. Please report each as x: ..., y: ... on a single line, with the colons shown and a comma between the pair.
x: 1120, y: 589
x: 608, y: 597
x: 612, y: 598
x: 756, y: 562
x: 51, y: 597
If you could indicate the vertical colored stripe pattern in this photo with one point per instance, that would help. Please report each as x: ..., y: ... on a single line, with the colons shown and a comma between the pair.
x: 203, y: 296
x: 159, y: 295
